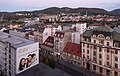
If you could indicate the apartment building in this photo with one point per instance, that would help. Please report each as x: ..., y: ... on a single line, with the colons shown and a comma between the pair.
x: 48, y: 46
x: 101, y: 50
x: 60, y: 40
x: 17, y: 54
x: 72, y: 53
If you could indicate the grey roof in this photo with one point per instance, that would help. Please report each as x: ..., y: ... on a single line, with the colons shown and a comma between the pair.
x: 88, y: 33
x: 116, y: 36
x: 15, y: 41
x: 104, y: 29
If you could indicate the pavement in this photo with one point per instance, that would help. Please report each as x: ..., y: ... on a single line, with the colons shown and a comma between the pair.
x: 73, y: 70
x: 42, y: 70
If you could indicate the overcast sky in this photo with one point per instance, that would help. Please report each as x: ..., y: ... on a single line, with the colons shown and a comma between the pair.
x: 18, y: 5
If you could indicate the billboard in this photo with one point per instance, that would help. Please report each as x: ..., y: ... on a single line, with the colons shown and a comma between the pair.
x: 27, y: 57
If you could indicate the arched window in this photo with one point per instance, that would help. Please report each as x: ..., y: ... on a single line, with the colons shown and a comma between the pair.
x: 116, y: 44
x: 101, y: 36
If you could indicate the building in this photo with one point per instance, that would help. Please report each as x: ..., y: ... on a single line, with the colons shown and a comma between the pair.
x: 48, y: 46
x: 76, y: 37
x: 17, y: 54
x: 72, y: 53
x: 60, y: 40
x: 81, y: 27
x: 101, y: 50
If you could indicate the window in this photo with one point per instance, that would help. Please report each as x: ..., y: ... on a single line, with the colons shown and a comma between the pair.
x: 83, y: 45
x: 83, y: 50
x: 101, y: 70
x: 116, y: 44
x: 88, y: 39
x: 100, y: 62
x: 100, y: 49
x: 101, y: 41
x: 87, y: 57
x: 116, y: 73
x: 94, y: 35
x: 116, y: 58
x: 107, y: 57
x: 95, y: 47
x: 108, y: 44
x: 108, y: 72
x: 107, y: 37
x: 94, y: 53
x: 87, y: 45
x: 94, y: 41
x: 101, y: 36
x: 83, y: 56
x: 87, y: 51
x: 108, y: 63
x: 100, y: 56
x: 9, y: 73
x: 116, y: 66
x: 116, y: 51
x: 9, y: 67
x: 94, y: 67
x: 107, y: 50
x: 9, y: 61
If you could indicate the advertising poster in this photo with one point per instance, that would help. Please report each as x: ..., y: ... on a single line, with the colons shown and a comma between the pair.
x: 27, y: 57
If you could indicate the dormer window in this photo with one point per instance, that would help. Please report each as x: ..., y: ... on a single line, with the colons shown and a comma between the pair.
x: 116, y: 44
x: 107, y: 37
x: 94, y: 35
x: 61, y: 35
x: 101, y: 36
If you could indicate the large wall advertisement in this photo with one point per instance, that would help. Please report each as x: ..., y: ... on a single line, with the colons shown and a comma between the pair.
x: 27, y: 57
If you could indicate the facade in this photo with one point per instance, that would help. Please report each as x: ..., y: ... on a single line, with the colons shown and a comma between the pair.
x: 60, y: 40
x: 17, y: 54
x: 101, y: 50
x: 48, y: 46
x: 72, y: 53
x: 76, y: 37
x: 81, y: 27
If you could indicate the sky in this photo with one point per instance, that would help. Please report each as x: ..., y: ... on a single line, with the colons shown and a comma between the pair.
x: 30, y: 5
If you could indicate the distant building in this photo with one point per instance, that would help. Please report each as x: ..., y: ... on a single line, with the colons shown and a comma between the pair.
x: 17, y: 54
x: 81, y: 27
x: 75, y: 37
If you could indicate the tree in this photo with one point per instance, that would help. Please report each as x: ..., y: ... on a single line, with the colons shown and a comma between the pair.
x: 46, y: 61
x: 52, y: 62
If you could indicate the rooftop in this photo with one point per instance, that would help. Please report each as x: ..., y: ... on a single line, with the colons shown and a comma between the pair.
x: 59, y: 34
x: 15, y: 41
x: 49, y: 42
x: 105, y: 30
x: 73, y: 49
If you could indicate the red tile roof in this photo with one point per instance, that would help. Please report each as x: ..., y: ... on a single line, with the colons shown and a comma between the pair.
x: 96, y: 24
x: 49, y: 42
x: 73, y: 49
x: 59, y: 34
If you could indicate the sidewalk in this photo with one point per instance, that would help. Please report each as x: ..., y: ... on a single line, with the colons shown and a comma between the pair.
x: 62, y: 72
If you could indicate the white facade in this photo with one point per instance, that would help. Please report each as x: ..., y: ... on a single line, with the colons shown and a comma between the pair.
x: 76, y: 37
x: 80, y: 27
x: 12, y: 49
x: 46, y: 33
x: 54, y: 29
